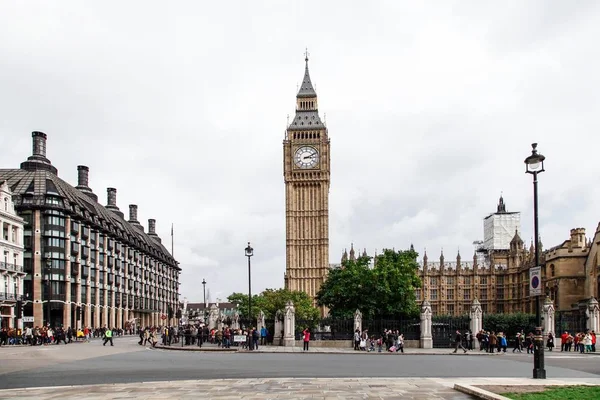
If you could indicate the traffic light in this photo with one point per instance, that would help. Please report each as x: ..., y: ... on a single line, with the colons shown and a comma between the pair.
x: 19, y: 310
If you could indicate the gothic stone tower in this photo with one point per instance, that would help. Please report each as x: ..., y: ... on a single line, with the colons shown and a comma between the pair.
x: 306, y: 170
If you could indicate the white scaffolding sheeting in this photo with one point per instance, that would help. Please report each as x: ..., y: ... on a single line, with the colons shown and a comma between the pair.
x: 499, y: 229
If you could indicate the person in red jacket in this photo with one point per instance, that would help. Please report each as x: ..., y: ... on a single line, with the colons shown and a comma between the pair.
x: 563, y: 340
x: 306, y: 334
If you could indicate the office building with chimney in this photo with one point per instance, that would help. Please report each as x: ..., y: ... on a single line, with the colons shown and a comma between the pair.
x: 84, y: 263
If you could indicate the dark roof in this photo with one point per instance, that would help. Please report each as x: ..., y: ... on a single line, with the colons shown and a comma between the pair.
x: 306, y: 89
x: 37, y: 179
x: 306, y: 120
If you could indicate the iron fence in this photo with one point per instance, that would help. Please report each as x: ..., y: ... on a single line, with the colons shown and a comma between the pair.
x: 326, y: 329
x: 443, y: 330
x: 571, y: 321
x: 410, y: 328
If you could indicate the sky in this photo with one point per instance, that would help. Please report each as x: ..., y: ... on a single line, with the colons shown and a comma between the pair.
x: 431, y: 109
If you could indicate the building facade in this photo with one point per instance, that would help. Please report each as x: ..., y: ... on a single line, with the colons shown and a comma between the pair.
x: 11, y: 263
x: 306, y: 170
x: 85, y: 264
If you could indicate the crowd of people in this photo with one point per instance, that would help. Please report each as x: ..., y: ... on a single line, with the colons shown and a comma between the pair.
x: 392, y: 340
x: 46, y: 335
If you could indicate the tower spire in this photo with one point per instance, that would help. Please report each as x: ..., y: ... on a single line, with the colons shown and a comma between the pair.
x: 306, y: 88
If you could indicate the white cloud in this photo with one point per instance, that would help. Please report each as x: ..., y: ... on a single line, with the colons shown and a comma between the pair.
x: 431, y: 109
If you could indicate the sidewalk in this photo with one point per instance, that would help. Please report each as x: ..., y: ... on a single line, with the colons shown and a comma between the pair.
x: 285, y: 388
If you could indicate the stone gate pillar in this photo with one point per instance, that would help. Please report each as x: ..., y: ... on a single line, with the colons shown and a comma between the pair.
x: 426, y: 341
x: 289, y: 325
x: 213, y: 315
x: 235, y: 321
x: 260, y: 321
x: 593, y: 311
x: 476, y: 323
x: 357, y: 321
x: 548, y: 310
x: 278, y: 334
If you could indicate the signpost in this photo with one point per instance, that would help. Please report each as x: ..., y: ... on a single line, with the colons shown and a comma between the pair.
x: 163, y: 317
x: 27, y: 319
x: 535, y: 281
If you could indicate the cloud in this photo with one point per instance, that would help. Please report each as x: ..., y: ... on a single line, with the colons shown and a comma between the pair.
x: 431, y: 110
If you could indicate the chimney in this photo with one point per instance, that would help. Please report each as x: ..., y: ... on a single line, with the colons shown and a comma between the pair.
x: 82, y: 176
x: 37, y: 160
x: 39, y: 144
x: 133, y: 214
x: 151, y: 226
x: 83, y: 181
x: 111, y: 201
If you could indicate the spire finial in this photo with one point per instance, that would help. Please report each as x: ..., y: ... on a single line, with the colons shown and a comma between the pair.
x: 306, y: 54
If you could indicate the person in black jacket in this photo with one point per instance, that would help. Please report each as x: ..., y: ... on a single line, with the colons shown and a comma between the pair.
x: 458, y: 342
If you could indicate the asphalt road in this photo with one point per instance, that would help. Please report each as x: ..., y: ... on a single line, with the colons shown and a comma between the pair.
x: 162, y: 365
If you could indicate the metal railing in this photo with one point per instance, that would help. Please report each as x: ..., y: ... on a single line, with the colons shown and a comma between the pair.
x: 11, y: 267
x: 10, y: 296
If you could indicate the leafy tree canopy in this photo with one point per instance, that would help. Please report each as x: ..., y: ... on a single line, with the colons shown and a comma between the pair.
x: 386, y: 289
x: 272, y: 300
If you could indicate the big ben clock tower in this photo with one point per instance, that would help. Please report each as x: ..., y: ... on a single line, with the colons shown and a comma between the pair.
x: 306, y: 170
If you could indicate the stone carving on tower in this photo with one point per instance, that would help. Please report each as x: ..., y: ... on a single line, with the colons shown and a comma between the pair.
x: 306, y: 170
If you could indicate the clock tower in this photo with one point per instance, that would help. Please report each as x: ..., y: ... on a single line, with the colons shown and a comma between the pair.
x: 306, y: 171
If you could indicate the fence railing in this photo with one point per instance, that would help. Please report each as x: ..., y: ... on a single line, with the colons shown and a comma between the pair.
x: 326, y: 329
x: 11, y: 267
x: 410, y: 328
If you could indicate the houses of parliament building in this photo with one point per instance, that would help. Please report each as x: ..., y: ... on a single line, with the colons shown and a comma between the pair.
x: 498, y: 273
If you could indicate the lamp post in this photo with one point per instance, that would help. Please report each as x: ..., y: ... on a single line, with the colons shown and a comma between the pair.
x: 534, y: 164
x: 249, y: 253
x: 49, y: 282
x: 204, y: 292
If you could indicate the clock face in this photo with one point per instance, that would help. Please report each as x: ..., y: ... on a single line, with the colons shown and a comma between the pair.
x: 306, y: 157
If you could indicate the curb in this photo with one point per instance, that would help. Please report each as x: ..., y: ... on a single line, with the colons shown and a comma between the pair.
x: 479, y: 393
x: 197, y: 349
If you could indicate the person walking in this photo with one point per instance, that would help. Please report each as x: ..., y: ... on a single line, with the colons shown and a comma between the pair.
x: 306, y: 334
x: 108, y: 337
x: 458, y: 342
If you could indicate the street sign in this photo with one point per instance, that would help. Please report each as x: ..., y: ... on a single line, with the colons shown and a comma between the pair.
x: 163, y: 316
x: 27, y: 319
x: 535, y: 281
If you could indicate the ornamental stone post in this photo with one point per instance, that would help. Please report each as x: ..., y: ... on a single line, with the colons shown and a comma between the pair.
x: 235, y: 321
x: 260, y: 321
x: 476, y: 323
x: 213, y: 315
x: 593, y: 311
x: 278, y: 334
x: 548, y: 310
x: 357, y: 320
x: 426, y: 341
x: 289, y: 325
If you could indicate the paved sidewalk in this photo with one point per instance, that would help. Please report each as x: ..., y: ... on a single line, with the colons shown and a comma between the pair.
x: 282, y: 388
x: 341, y: 350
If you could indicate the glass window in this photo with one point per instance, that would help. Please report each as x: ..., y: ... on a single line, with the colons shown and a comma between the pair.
x: 467, y: 294
x: 450, y: 294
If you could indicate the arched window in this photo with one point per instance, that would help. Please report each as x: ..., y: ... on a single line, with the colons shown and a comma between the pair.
x: 552, y: 271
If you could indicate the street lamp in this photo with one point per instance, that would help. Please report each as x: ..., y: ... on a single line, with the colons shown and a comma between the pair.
x: 534, y: 164
x: 204, y: 292
x: 249, y: 253
x: 49, y: 283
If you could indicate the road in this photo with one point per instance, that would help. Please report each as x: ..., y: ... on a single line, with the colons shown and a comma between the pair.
x: 127, y: 362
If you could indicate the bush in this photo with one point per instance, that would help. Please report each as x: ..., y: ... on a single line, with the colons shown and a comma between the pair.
x: 510, y: 324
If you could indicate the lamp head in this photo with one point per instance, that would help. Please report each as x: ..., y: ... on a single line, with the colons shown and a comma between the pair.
x: 534, y: 164
x: 249, y: 250
x: 204, y: 281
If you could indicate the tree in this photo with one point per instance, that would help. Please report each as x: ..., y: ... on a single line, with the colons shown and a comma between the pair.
x: 272, y: 300
x: 387, y: 289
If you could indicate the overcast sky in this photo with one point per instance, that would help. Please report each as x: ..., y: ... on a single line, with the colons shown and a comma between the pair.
x: 431, y: 109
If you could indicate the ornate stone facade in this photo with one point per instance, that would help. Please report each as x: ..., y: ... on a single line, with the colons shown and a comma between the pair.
x: 86, y: 264
x: 306, y: 168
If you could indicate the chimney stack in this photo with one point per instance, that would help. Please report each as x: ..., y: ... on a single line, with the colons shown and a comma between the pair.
x: 82, y: 176
x: 83, y: 181
x: 133, y: 213
x: 39, y: 144
x: 37, y: 160
x: 112, y: 199
x: 151, y: 226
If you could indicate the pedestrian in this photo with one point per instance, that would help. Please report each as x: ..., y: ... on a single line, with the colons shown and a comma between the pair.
x: 550, y: 341
x: 108, y: 337
x: 458, y: 342
x: 306, y: 334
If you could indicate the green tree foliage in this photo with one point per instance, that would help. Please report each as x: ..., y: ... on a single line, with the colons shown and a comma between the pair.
x: 510, y: 324
x: 387, y: 289
x: 271, y: 300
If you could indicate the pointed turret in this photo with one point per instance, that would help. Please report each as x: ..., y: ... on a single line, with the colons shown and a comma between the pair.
x: 364, y: 254
x: 442, y: 257
x: 307, y: 114
x: 458, y: 257
x: 475, y: 259
x: 425, y: 256
x: 344, y: 256
x: 501, y: 205
x: 352, y: 254
x: 412, y: 248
